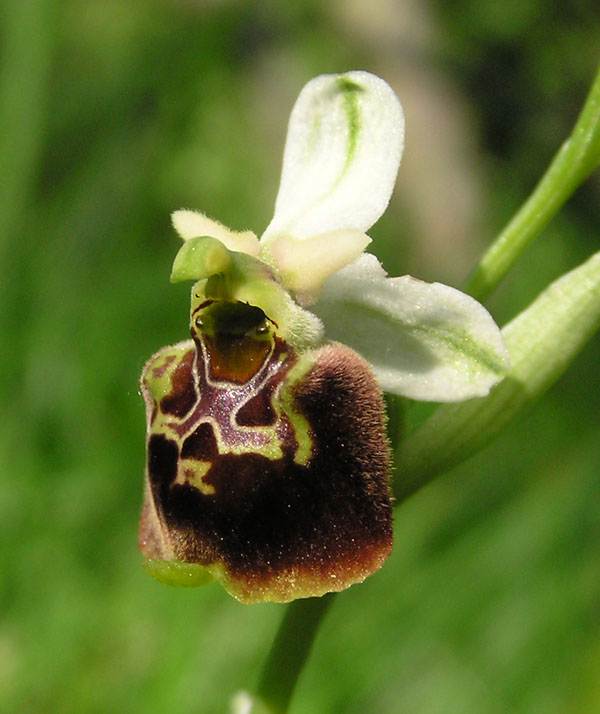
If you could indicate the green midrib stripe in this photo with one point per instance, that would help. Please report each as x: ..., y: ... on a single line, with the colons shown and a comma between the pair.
x: 350, y: 91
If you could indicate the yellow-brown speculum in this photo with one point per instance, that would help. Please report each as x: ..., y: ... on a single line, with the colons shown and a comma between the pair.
x: 267, y: 467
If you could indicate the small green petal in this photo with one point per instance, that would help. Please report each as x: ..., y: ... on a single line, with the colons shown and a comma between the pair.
x: 191, y: 224
x: 305, y: 263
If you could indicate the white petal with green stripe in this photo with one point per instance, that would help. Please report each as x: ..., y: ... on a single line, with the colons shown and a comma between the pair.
x: 425, y: 341
x: 343, y: 149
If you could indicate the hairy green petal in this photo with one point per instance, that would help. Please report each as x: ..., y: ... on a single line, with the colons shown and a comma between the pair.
x: 191, y: 224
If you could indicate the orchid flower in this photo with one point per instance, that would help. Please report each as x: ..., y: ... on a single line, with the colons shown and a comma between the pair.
x: 268, y: 463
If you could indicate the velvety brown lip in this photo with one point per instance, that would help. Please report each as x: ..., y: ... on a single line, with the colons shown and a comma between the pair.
x: 280, y: 529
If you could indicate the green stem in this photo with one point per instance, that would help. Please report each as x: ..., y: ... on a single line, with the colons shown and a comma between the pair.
x: 574, y: 162
x: 289, y: 652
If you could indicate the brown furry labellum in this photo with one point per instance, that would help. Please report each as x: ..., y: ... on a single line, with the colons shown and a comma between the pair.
x: 267, y: 469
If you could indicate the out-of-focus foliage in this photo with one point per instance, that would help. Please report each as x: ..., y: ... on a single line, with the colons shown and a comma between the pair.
x: 112, y: 114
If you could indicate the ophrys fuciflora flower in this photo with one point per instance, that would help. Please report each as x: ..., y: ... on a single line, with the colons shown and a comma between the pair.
x: 268, y: 462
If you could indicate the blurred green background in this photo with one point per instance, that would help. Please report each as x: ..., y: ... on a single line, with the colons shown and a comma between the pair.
x: 113, y: 113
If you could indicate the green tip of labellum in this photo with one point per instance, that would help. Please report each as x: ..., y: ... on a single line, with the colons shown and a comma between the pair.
x: 200, y: 258
x: 173, y: 572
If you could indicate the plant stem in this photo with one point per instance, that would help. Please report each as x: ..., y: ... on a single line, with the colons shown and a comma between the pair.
x: 574, y: 162
x: 289, y: 652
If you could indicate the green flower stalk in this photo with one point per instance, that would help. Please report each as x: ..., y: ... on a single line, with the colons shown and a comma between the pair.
x: 268, y: 462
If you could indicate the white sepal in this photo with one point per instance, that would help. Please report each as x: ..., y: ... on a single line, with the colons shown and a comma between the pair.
x: 425, y: 341
x: 343, y: 149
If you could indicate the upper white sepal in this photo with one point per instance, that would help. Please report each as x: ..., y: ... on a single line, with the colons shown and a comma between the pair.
x: 343, y: 149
